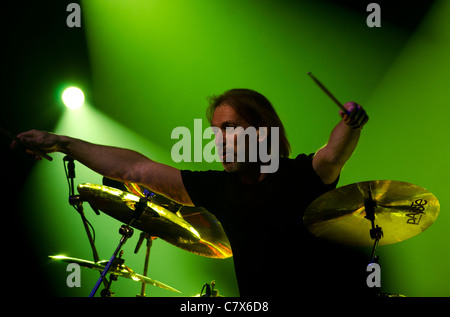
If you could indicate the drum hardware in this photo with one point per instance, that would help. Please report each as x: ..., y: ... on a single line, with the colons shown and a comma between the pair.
x: 210, y: 290
x: 149, y: 240
x: 192, y: 229
x: 155, y: 215
x: 159, y: 217
x: 401, y: 209
x: 376, y: 232
x: 77, y: 203
x: 396, y: 211
x: 126, y: 231
x: 117, y: 262
x: 149, y: 244
x: 371, y: 213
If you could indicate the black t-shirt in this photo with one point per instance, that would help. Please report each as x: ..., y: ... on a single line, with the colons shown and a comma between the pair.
x: 273, y: 252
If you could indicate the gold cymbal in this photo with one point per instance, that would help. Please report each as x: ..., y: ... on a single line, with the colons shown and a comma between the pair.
x: 162, y: 218
x: 120, y: 270
x: 402, y: 210
x: 214, y: 242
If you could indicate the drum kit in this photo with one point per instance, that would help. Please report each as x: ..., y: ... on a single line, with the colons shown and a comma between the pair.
x: 371, y: 213
x: 190, y: 228
x: 193, y: 229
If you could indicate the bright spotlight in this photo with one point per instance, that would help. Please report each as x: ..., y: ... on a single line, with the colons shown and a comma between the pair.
x: 73, y: 97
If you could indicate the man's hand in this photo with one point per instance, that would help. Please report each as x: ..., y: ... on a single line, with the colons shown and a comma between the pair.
x: 37, y: 143
x: 330, y: 159
x: 355, y: 117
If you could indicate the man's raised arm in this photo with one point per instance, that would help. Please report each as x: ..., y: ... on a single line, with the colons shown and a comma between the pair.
x: 330, y: 159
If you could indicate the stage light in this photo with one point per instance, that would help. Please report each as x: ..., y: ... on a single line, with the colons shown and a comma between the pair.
x: 73, y: 97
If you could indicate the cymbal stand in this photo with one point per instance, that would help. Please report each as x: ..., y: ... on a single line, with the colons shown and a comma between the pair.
x: 126, y: 231
x: 106, y: 292
x: 149, y: 239
x: 76, y: 202
x: 376, y: 233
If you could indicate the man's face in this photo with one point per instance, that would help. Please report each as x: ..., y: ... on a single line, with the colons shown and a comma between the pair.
x: 227, y: 146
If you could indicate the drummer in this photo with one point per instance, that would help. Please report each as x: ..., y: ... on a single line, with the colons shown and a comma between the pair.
x: 261, y: 212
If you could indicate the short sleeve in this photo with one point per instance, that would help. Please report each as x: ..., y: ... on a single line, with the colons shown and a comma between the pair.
x: 202, y: 186
x: 304, y: 164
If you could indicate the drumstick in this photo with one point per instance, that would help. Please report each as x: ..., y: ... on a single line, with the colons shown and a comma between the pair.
x: 32, y: 148
x: 326, y: 91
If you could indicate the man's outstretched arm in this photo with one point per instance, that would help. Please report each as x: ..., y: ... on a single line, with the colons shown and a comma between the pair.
x: 330, y: 159
x: 117, y: 163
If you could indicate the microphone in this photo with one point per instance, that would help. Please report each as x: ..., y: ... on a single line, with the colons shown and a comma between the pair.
x: 70, y: 166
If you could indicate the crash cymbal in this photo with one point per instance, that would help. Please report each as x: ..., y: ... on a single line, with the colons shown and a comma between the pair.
x: 161, y: 219
x: 402, y: 210
x: 155, y: 220
x: 214, y: 240
x: 120, y: 270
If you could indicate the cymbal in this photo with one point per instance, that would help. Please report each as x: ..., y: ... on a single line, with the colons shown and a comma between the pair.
x: 197, y: 232
x: 120, y: 270
x: 402, y: 210
x: 215, y: 242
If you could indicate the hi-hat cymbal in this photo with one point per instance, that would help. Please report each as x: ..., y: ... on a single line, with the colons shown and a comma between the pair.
x: 160, y: 219
x: 402, y: 210
x: 120, y: 270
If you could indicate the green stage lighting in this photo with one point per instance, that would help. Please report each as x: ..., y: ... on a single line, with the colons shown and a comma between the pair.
x: 73, y: 97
